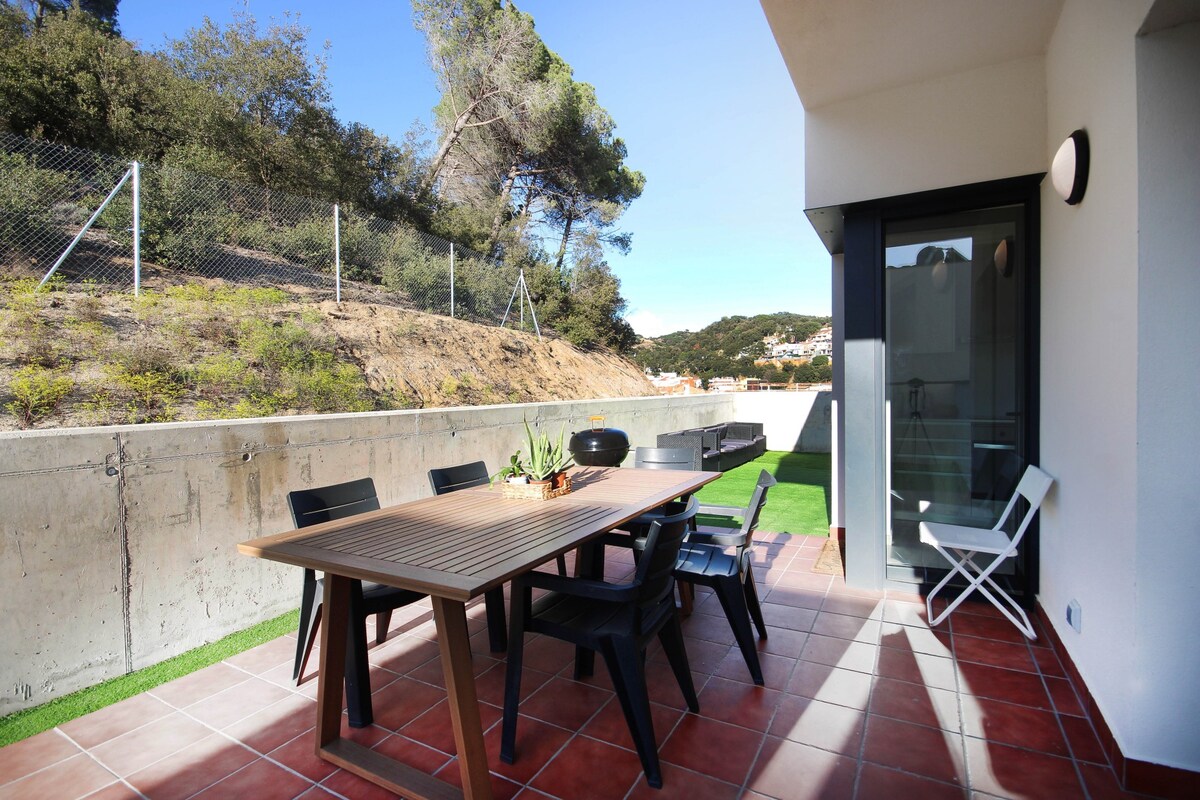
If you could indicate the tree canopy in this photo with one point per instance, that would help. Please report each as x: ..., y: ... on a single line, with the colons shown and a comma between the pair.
x: 526, y: 164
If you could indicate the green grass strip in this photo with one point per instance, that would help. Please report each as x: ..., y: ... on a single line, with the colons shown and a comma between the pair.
x: 798, y: 504
x: 30, y: 721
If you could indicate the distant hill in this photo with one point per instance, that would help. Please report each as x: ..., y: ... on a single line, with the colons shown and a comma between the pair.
x: 730, y: 346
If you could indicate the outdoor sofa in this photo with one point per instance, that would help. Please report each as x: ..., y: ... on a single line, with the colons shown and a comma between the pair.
x: 722, y: 447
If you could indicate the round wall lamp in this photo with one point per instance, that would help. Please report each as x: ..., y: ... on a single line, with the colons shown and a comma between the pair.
x: 1069, y: 170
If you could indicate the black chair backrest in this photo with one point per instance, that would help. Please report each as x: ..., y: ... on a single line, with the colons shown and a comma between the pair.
x: 665, y: 458
x: 313, y: 506
x: 758, y: 501
x: 463, y: 476
x: 656, y: 563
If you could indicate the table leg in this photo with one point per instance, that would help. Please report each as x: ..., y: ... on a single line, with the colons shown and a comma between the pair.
x: 453, y: 642
x: 333, y: 659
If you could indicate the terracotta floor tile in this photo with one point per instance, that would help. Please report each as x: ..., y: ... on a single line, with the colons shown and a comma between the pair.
x: 261, y: 780
x: 830, y: 684
x: 841, y: 626
x: 502, y: 788
x: 1085, y: 746
x: 998, y: 628
x: 317, y: 793
x: 211, y: 680
x: 29, y: 755
x: 300, y: 754
x: 609, y: 724
x: 1102, y: 783
x: 1021, y: 726
x: 714, y: 748
x: 414, y: 754
x: 237, y: 702
x: 1048, y: 662
x: 782, y: 642
x: 139, y: 748
x: 824, y: 725
x: 115, y: 720
x: 588, y: 769
x: 857, y: 656
x: 790, y: 617
x: 1013, y: 772
x: 537, y: 742
x: 791, y: 771
x: 267, y: 656
x: 994, y: 654
x: 568, y: 704
x: 703, y: 656
x: 794, y: 597
x: 191, y: 769
x: 114, y: 791
x: 275, y: 724
x: 915, y: 639
x: 1063, y: 696
x: 1011, y: 686
x: 709, y: 628
x: 489, y: 687
x: 402, y: 701
x: 922, y: 668
x: 905, y: 613
x: 73, y: 777
x: 776, y: 670
x: 433, y: 728
x: 404, y: 653
x: 739, y: 703
x: 682, y: 784
x: 928, y: 752
x: 863, y: 607
x: 916, y: 703
x: 431, y: 672
x: 880, y: 783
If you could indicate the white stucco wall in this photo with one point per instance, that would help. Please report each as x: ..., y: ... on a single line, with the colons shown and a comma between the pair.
x: 1089, y: 359
x: 985, y: 124
x: 798, y: 422
x: 1164, y: 692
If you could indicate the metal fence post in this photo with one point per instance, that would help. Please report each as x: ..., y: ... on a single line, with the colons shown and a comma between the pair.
x: 137, y: 228
x: 86, y: 227
x: 452, y: 280
x: 337, y: 253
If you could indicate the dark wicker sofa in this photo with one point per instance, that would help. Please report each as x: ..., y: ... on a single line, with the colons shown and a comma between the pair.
x: 722, y: 447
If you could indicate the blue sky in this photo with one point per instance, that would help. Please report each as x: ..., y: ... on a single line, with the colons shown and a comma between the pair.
x: 699, y: 93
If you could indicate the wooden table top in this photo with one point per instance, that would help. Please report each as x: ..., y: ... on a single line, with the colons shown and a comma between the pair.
x: 462, y: 544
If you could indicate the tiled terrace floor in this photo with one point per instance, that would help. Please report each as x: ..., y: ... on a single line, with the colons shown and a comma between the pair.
x: 863, y: 700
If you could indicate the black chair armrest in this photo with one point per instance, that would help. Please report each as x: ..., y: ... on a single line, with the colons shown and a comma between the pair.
x: 730, y: 537
x: 578, y: 587
x: 723, y: 511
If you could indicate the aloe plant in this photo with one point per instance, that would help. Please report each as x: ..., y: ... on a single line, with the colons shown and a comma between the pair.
x: 545, y: 457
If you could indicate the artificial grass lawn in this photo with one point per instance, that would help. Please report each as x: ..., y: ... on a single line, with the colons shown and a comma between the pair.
x: 798, y: 504
x: 24, y: 724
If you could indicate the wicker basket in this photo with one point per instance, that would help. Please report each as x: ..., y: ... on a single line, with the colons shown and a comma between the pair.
x: 534, y: 491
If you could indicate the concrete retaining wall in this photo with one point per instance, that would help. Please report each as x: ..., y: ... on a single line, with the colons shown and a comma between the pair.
x: 118, y: 547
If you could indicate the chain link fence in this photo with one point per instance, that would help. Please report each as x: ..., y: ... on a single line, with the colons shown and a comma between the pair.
x: 192, y: 226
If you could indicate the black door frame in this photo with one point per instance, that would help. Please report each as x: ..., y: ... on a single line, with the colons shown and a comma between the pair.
x: 864, y: 327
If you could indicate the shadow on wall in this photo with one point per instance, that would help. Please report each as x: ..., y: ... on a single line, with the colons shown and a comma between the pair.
x: 816, y: 431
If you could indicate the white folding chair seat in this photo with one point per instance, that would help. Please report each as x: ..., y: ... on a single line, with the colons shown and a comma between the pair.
x: 960, y: 544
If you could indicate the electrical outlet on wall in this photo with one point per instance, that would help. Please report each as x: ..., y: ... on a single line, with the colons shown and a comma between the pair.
x: 1075, y: 616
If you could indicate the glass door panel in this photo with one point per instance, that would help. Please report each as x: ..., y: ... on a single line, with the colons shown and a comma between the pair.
x: 954, y: 288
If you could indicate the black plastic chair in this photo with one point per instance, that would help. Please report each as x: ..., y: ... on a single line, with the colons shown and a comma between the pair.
x: 706, y: 561
x: 467, y: 476
x: 667, y: 458
x: 313, y: 506
x: 618, y: 621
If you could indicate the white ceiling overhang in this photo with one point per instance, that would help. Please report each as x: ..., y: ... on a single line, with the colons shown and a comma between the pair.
x: 839, y: 49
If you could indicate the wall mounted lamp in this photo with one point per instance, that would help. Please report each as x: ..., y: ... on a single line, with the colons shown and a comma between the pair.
x: 1069, y: 170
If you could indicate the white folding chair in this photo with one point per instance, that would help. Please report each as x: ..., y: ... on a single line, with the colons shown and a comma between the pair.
x: 960, y: 544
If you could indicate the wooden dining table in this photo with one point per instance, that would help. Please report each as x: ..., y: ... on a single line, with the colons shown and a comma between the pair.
x: 453, y: 547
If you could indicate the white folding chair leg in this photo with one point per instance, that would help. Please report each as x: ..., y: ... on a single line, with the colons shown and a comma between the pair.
x: 974, y: 582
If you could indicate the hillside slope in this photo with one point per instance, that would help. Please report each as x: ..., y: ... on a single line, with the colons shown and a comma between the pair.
x: 205, y: 350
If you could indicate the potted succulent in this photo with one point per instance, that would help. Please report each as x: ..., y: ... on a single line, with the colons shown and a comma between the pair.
x: 546, y: 459
x: 515, y: 471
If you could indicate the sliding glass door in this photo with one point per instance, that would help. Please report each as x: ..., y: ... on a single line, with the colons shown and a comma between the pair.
x: 956, y: 375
